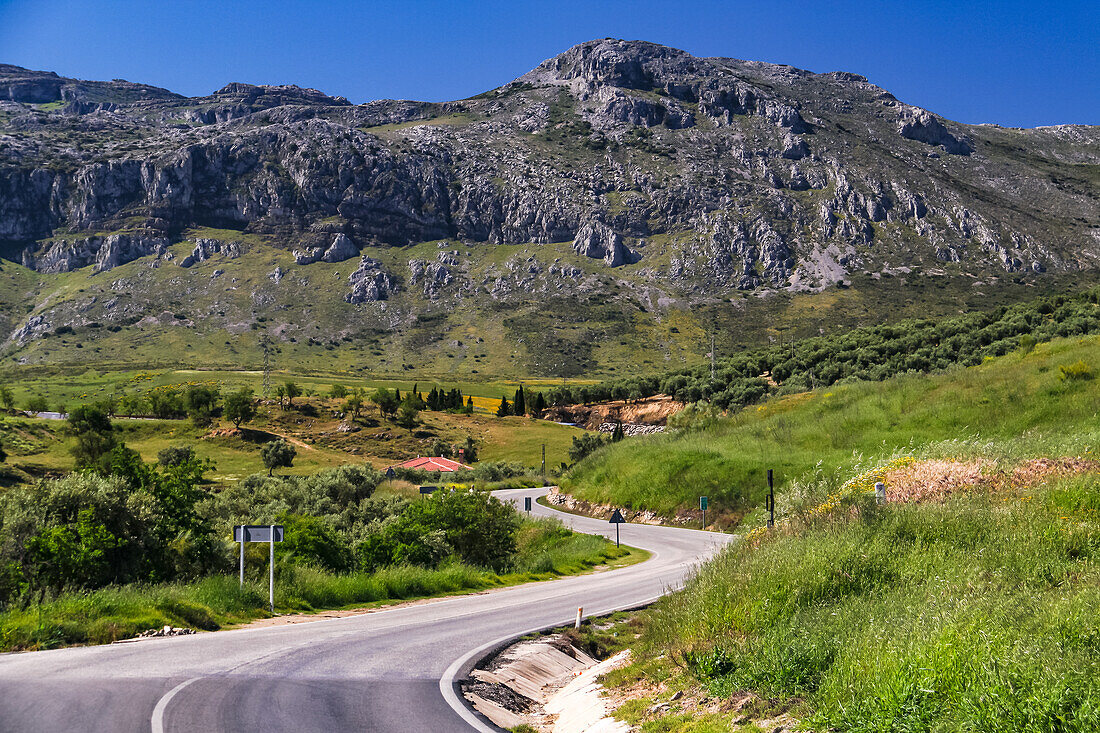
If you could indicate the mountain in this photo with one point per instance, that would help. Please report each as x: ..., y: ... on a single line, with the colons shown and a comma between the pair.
x: 608, y: 211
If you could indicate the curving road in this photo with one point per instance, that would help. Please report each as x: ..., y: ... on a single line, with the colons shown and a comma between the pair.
x: 390, y: 670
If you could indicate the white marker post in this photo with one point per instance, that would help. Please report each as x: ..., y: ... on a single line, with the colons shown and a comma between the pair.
x: 580, y: 616
x: 271, y: 572
x: 241, y: 530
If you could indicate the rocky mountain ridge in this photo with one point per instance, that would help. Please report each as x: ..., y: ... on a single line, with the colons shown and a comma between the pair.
x: 685, y: 180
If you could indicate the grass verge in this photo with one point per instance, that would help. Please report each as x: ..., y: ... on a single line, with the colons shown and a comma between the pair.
x: 970, y: 612
x: 546, y: 550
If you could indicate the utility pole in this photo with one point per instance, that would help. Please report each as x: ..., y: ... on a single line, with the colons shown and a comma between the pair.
x: 771, y: 501
x: 712, y: 357
x: 267, y: 364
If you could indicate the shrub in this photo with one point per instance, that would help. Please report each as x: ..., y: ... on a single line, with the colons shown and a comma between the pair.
x: 313, y: 541
x: 176, y: 455
x: 1079, y: 370
x: 585, y: 445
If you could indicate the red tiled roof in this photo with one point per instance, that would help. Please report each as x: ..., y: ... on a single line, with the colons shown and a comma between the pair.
x: 432, y: 463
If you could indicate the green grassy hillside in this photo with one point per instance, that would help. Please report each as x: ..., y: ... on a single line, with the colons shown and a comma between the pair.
x: 1020, y: 399
x: 974, y: 613
x: 965, y: 602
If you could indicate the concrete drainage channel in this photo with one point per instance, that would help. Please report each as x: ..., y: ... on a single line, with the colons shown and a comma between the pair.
x: 461, y: 673
x: 546, y: 683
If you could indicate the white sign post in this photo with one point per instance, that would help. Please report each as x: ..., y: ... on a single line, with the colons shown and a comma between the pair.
x: 270, y: 533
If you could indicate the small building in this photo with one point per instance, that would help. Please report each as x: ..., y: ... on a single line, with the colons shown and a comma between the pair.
x: 433, y: 463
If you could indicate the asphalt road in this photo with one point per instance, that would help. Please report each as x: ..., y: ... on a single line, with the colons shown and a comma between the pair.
x: 390, y: 670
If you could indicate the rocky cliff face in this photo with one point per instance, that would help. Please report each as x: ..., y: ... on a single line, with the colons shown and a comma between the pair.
x: 690, y: 178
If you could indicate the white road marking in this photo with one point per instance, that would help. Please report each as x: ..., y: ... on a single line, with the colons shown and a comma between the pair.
x: 448, y: 683
x: 162, y: 704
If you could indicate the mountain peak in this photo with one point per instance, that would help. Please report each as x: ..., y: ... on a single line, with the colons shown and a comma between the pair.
x: 615, y: 62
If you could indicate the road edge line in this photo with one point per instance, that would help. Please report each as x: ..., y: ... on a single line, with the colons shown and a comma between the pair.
x: 157, y: 721
x: 461, y: 667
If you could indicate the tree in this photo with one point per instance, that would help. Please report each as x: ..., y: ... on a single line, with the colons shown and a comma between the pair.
x: 470, y: 406
x: 339, y: 391
x: 505, y: 409
x: 3, y: 454
x: 585, y: 445
x: 617, y: 434
x: 292, y: 391
x: 201, y: 402
x: 519, y: 406
x: 354, y: 405
x: 7, y: 399
x: 277, y: 454
x: 469, y: 450
x: 387, y: 401
x: 131, y: 404
x: 539, y: 406
x: 280, y: 392
x: 37, y: 403
x: 239, y: 407
x: 95, y: 437
x: 406, y: 414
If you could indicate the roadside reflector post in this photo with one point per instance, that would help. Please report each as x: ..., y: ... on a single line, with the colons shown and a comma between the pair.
x: 771, y: 500
x: 527, y: 504
x: 880, y: 492
x: 580, y: 617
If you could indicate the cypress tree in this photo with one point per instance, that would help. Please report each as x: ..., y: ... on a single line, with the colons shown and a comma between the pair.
x: 520, y: 406
x: 505, y: 409
x: 540, y: 404
x: 618, y: 433
x: 470, y: 406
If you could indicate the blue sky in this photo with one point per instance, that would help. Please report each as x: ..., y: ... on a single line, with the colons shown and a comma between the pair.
x: 1010, y: 62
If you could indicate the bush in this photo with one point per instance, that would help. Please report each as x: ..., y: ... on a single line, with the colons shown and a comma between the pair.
x: 585, y: 445
x: 312, y: 541
x: 1078, y: 370
x: 176, y: 455
x: 477, y: 528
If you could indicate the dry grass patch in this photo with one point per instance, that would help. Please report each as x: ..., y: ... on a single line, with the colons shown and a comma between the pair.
x: 935, y: 480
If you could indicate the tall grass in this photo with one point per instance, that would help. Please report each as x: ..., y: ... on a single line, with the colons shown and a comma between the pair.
x: 1018, y: 398
x: 546, y: 549
x: 974, y: 615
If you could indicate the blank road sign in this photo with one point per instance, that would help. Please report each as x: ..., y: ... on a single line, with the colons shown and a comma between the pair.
x: 703, y: 503
x: 257, y: 533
